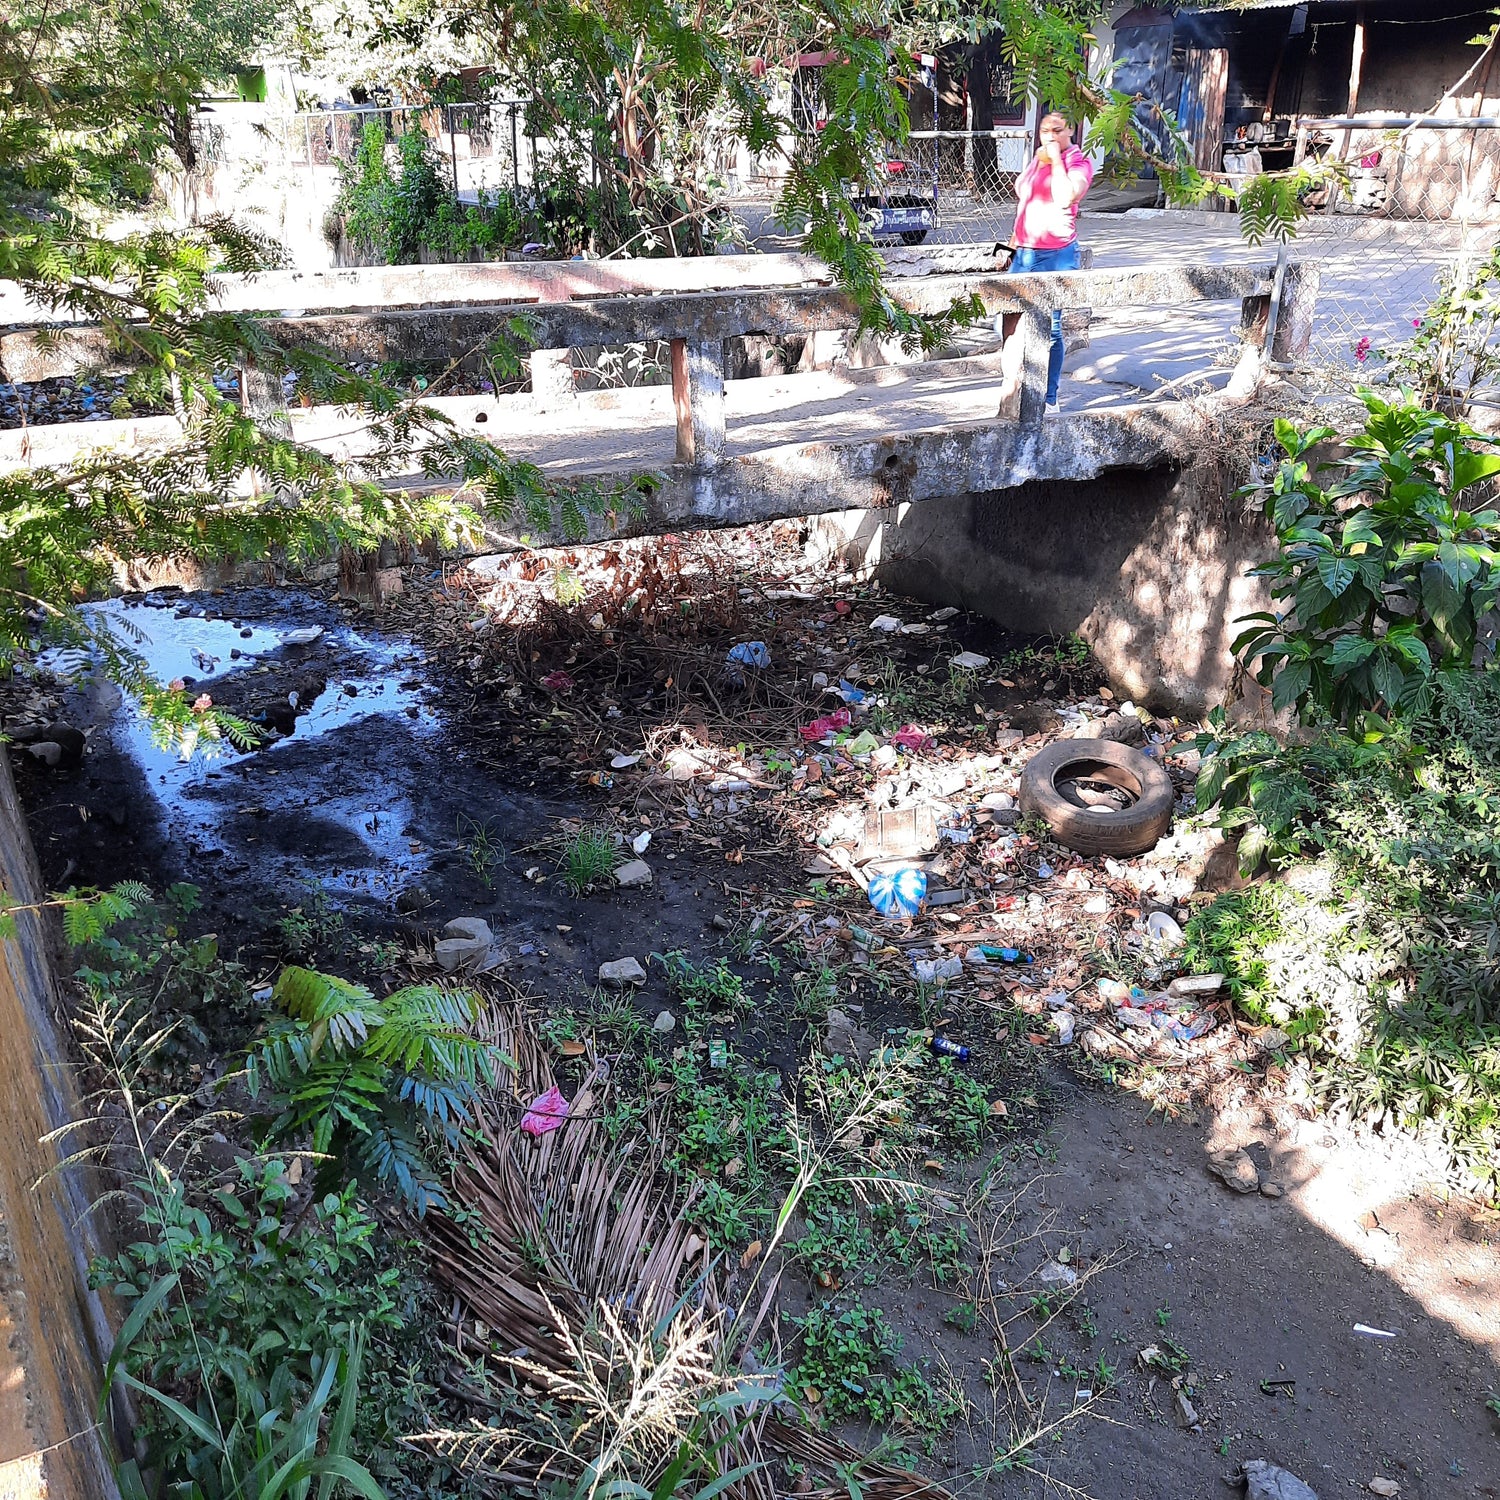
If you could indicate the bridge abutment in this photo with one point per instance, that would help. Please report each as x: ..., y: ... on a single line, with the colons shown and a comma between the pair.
x: 1149, y: 566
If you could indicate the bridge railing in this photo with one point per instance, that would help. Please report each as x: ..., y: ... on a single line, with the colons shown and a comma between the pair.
x: 458, y: 318
x: 697, y: 323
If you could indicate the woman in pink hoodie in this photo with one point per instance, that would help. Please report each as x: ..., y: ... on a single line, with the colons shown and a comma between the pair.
x: 1048, y: 193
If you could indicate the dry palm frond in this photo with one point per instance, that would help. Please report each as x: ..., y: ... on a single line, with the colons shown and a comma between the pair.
x: 569, y: 1219
x: 579, y: 1273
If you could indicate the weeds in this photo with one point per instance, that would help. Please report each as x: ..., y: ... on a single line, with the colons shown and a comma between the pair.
x: 314, y: 925
x: 1375, y: 956
x: 588, y: 857
x: 713, y: 988
x: 846, y: 1368
x: 481, y: 850
x: 815, y: 993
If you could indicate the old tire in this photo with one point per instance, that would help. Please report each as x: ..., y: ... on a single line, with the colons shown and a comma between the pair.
x: 1132, y: 830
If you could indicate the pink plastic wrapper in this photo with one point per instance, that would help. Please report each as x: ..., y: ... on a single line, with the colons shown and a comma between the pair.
x: 831, y: 723
x: 558, y: 682
x: 909, y: 737
x: 547, y: 1112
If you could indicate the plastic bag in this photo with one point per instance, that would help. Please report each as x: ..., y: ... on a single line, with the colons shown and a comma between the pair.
x: 900, y: 893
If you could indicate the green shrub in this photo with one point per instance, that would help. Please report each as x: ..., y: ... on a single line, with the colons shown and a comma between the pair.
x: 259, y: 1296
x: 1378, y: 949
x: 398, y: 214
x: 1386, y: 573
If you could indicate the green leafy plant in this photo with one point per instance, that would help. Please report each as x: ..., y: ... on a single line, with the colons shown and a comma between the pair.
x: 1386, y: 573
x: 846, y: 1356
x: 259, y: 1294
x: 368, y: 1083
x: 271, y: 1448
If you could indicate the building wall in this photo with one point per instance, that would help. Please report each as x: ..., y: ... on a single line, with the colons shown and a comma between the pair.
x: 53, y: 1334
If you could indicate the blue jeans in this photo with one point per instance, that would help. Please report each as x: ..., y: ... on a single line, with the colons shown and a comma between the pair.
x: 1065, y: 259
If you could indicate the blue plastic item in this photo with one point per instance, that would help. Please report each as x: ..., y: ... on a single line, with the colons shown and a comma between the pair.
x: 899, y: 893
x: 751, y: 654
x: 851, y: 694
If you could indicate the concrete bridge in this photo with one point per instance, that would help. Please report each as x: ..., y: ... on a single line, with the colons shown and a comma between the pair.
x: 960, y: 440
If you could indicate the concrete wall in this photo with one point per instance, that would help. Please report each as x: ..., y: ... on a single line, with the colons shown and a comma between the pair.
x: 1148, y: 566
x: 53, y: 1334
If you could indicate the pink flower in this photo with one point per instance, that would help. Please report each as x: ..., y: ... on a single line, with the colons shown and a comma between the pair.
x: 1362, y: 349
x: 177, y: 684
x: 558, y: 682
x: 202, y: 703
x: 546, y: 1113
x: 1416, y: 322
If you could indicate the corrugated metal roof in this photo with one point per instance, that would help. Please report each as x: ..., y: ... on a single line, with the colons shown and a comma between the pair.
x: 1248, y: 5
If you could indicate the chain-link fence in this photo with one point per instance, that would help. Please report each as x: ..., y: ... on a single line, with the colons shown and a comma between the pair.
x: 1422, y: 203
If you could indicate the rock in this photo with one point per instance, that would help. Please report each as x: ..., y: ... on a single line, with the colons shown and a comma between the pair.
x: 1265, y: 1481
x: 1054, y: 1274
x: 843, y: 1037
x: 465, y: 944
x: 970, y: 661
x: 71, y: 740
x: 621, y: 972
x: 412, y: 900
x: 997, y: 801
x: 1187, y: 1414
x: 476, y: 929
x: 1235, y: 1170
x: 634, y: 872
x: 1271, y: 1190
x: 1124, y: 729
x: 664, y: 1021
x: 49, y: 752
x: 1387, y: 1487
x: 459, y: 953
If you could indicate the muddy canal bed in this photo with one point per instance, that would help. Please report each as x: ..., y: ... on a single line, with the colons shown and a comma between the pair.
x: 442, y: 757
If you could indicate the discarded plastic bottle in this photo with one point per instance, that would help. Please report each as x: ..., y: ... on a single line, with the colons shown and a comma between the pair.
x: 944, y: 1048
x: 1005, y: 955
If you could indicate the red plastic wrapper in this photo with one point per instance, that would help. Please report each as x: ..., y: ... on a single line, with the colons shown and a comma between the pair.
x: 840, y: 718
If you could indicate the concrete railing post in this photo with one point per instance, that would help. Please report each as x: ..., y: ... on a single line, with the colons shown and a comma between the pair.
x: 552, y: 377
x: 263, y: 399
x: 1292, y: 336
x: 552, y: 382
x: 698, y: 398
x: 1023, y: 365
